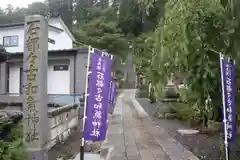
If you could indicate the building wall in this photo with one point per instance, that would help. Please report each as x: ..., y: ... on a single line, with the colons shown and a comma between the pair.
x: 62, y: 39
x: 14, y: 78
x: 80, y: 76
x: 55, y: 78
x: 55, y: 22
x: 12, y: 31
x: 76, y: 77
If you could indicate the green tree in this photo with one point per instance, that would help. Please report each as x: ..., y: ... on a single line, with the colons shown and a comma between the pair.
x: 130, y: 20
x: 185, y: 43
x: 54, y: 8
x: 143, y: 52
x: 9, y: 10
x: 37, y: 8
x: 63, y: 8
x: 84, y: 11
x: 102, y: 32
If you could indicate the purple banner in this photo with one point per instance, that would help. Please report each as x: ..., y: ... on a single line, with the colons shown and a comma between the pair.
x: 97, y: 103
x: 113, y: 92
x: 229, y: 93
x: 110, y: 92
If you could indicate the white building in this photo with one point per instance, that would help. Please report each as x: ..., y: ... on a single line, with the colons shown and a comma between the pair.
x: 66, y: 66
x: 12, y: 36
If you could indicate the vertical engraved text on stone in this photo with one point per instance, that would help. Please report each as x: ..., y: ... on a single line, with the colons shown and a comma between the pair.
x: 31, y: 86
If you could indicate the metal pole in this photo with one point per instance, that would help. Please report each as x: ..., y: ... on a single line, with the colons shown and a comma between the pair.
x: 85, y: 103
x: 224, y: 110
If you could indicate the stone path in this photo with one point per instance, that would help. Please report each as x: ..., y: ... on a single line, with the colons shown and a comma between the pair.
x: 207, y: 147
x: 133, y: 138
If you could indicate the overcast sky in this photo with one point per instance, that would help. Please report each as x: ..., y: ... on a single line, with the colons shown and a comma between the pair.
x: 17, y: 3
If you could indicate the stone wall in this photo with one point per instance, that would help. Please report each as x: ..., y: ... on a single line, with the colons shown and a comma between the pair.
x: 63, y: 122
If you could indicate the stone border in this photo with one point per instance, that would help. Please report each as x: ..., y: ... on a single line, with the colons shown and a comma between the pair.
x: 173, y: 148
x: 106, y: 150
x: 141, y: 112
x: 59, y: 110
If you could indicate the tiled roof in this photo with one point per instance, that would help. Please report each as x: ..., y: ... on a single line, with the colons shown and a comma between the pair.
x: 61, y: 50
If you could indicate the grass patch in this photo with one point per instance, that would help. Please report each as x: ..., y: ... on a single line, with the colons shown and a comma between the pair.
x: 142, y: 91
x: 181, y: 110
x: 184, y: 112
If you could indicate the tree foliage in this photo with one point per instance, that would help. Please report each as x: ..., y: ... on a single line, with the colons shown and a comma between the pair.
x: 185, y: 44
x: 102, y: 32
x: 100, y: 29
x: 12, y: 148
x: 143, y: 52
x: 187, y: 39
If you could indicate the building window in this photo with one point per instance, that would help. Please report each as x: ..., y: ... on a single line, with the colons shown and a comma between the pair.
x: 10, y: 41
x: 60, y: 67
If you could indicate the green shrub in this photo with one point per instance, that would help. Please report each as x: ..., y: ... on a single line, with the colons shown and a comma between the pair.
x: 159, y: 91
x: 171, y: 93
x: 183, y: 95
x: 12, y: 148
x: 183, y: 111
x: 143, y: 91
x: 13, y: 151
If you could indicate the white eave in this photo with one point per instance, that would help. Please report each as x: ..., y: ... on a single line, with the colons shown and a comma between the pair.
x: 66, y: 28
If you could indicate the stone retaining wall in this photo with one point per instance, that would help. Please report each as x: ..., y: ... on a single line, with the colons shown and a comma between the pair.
x: 63, y: 122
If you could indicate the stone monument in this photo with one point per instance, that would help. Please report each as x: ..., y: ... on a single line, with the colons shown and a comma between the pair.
x: 35, y: 63
x: 171, y: 91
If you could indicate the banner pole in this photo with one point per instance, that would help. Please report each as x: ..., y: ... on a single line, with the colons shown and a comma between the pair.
x: 232, y: 146
x: 224, y: 109
x: 85, y: 104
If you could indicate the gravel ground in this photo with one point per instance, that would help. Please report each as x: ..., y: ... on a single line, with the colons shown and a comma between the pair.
x: 203, y: 146
x: 68, y: 149
x: 71, y: 147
